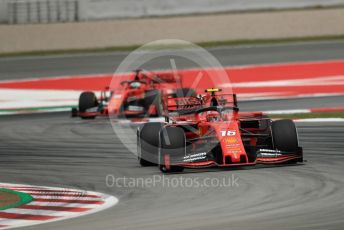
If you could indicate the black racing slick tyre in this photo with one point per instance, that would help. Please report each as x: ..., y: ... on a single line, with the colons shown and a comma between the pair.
x: 284, y: 135
x: 148, y: 144
x: 185, y: 92
x: 87, y: 100
x: 172, y: 149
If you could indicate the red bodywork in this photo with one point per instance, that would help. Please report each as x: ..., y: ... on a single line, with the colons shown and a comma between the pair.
x: 128, y: 97
x: 217, y: 134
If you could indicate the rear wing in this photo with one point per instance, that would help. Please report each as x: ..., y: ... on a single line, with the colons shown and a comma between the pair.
x: 184, y: 105
x: 175, y: 104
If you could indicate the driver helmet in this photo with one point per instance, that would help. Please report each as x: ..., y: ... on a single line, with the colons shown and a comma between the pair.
x: 135, y: 85
x: 213, y: 116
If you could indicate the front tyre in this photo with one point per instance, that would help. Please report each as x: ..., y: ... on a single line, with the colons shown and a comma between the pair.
x: 148, y: 143
x: 284, y: 135
x: 285, y: 138
x: 172, y: 149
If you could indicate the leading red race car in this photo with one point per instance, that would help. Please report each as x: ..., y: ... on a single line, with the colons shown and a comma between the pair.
x: 139, y: 97
x: 208, y: 130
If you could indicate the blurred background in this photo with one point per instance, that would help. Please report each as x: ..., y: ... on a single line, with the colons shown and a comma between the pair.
x: 283, y: 57
x: 45, y: 11
x: 41, y: 25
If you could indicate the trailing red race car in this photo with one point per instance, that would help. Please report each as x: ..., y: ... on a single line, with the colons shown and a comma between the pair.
x: 139, y: 97
x: 208, y: 130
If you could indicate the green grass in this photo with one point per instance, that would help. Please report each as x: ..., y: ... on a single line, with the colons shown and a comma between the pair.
x: 34, y: 109
x: 202, y: 44
x: 309, y: 115
x: 24, y: 198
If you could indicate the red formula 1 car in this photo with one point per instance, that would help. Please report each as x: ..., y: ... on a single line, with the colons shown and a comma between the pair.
x: 139, y: 97
x: 208, y: 130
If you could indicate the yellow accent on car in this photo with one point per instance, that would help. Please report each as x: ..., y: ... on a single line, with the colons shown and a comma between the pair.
x: 213, y: 90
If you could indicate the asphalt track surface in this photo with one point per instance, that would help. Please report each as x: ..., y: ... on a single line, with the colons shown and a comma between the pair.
x: 56, y: 150
x: 49, y: 66
x: 78, y: 64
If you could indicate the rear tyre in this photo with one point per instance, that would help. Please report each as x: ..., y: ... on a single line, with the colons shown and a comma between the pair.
x: 284, y: 135
x: 172, y: 143
x: 148, y: 144
x: 87, y: 100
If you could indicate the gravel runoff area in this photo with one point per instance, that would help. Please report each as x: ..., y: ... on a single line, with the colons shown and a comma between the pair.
x: 201, y: 28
